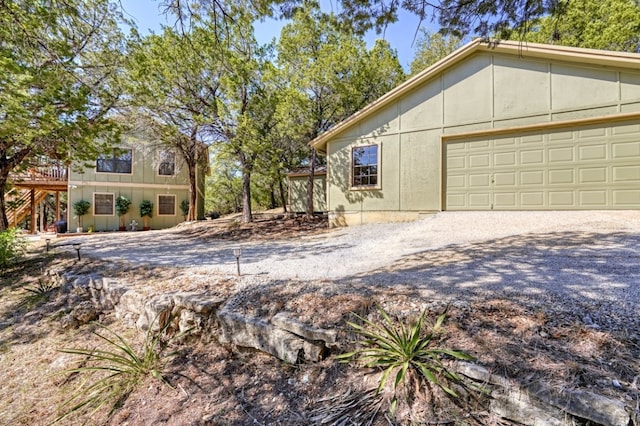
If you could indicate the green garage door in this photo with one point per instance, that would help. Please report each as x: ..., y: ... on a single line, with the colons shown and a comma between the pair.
x: 588, y: 167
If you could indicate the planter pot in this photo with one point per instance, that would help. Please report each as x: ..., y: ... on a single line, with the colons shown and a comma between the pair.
x: 146, y: 228
x: 79, y: 230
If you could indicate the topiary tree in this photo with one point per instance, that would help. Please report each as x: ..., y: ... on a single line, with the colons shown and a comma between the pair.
x: 184, y: 208
x: 80, y: 208
x: 146, y: 212
x: 122, y: 207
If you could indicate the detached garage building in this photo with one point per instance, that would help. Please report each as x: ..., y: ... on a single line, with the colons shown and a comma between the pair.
x: 493, y: 126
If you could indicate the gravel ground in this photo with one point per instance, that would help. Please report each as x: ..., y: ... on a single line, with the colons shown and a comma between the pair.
x: 591, y: 254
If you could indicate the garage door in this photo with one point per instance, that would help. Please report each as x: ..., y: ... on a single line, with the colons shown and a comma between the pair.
x: 589, y: 167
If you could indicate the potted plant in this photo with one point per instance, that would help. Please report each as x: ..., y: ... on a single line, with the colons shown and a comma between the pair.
x: 146, y: 213
x: 184, y: 208
x: 80, y: 208
x: 122, y: 207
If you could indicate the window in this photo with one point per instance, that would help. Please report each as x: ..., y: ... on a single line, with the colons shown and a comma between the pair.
x: 166, y: 205
x: 103, y: 204
x: 167, y: 165
x: 118, y: 161
x: 364, y: 161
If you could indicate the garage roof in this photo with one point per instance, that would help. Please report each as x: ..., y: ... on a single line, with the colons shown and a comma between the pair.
x: 522, y: 49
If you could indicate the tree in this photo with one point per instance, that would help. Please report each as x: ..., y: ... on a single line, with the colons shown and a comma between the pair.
x: 603, y: 24
x: 174, y: 83
x: 430, y: 48
x: 458, y: 17
x: 330, y: 75
x: 201, y: 86
x: 58, y: 83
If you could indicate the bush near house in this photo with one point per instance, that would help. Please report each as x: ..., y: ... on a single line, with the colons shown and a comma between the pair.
x: 12, y: 246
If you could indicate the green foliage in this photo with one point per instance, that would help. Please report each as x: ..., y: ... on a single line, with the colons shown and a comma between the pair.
x: 146, y: 209
x: 405, y: 349
x: 80, y: 208
x: 594, y: 24
x: 430, y: 48
x: 184, y: 207
x: 116, y: 370
x: 122, y: 205
x: 12, y: 246
x: 59, y: 64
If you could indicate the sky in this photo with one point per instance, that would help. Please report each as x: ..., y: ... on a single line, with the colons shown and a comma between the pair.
x: 148, y: 16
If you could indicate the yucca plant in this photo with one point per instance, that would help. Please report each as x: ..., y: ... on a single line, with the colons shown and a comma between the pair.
x: 405, y: 349
x: 38, y: 293
x: 120, y: 370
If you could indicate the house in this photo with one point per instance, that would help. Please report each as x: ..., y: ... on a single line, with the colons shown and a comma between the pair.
x: 494, y: 126
x: 138, y: 171
x: 298, y: 180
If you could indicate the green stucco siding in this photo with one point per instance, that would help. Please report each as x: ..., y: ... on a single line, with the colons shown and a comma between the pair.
x: 298, y: 193
x: 144, y: 183
x: 485, y: 91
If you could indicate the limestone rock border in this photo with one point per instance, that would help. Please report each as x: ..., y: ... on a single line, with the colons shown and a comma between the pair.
x: 294, y: 341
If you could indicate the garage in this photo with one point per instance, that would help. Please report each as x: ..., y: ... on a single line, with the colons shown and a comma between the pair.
x: 588, y: 166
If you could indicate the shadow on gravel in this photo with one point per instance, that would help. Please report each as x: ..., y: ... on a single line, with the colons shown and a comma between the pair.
x: 591, y: 267
x: 171, y: 250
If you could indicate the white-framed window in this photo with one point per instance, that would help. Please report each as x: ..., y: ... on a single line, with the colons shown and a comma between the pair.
x: 104, y: 204
x: 119, y: 160
x: 166, y: 163
x: 166, y: 205
x: 365, y: 166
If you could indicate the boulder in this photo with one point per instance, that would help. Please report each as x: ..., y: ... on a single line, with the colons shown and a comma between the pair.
x: 259, y: 334
x: 284, y: 321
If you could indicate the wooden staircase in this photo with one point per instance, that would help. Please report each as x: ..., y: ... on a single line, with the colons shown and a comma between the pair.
x: 31, y: 188
x: 18, y: 202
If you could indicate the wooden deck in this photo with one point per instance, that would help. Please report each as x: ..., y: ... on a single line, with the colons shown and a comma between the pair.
x: 31, y: 188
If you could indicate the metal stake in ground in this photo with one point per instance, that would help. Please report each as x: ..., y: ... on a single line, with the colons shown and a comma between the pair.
x: 77, y: 247
x: 237, y: 252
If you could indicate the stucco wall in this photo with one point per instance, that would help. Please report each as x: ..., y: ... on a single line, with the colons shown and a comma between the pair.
x: 298, y: 193
x: 144, y: 183
x: 483, y: 91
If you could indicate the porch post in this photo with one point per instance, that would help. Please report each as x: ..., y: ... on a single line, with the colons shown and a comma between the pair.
x: 57, y: 218
x: 33, y: 210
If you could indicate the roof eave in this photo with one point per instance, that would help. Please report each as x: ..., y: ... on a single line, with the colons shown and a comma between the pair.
x: 530, y: 50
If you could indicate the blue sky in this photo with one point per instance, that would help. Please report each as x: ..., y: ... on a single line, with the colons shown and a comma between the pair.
x: 148, y: 16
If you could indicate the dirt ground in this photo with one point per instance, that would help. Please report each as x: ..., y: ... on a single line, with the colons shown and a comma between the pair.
x: 216, y: 384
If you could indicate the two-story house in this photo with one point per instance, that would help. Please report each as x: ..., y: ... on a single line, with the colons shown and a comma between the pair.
x: 139, y: 171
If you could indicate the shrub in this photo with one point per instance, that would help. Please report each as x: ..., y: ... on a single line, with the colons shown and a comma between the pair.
x: 80, y: 208
x: 394, y: 346
x: 184, y: 208
x: 122, y: 205
x: 146, y: 209
x: 12, y: 246
x: 119, y: 370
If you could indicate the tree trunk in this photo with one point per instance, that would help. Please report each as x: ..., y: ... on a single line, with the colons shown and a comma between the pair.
x: 246, y: 196
x: 312, y: 170
x: 283, y: 199
x: 4, y: 221
x: 193, y: 192
x: 272, y: 197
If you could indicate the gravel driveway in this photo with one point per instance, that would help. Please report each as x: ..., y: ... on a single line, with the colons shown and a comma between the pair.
x: 591, y: 255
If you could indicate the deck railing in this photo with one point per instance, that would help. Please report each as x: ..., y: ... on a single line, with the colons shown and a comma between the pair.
x: 45, y: 173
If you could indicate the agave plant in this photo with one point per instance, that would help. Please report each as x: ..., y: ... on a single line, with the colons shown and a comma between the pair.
x: 120, y: 370
x: 395, y: 346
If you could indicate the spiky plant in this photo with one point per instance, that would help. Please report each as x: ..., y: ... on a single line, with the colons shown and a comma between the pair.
x: 38, y: 293
x: 119, y: 369
x: 405, y: 349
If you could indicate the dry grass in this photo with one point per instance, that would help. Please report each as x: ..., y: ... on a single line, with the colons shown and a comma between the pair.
x: 224, y: 385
